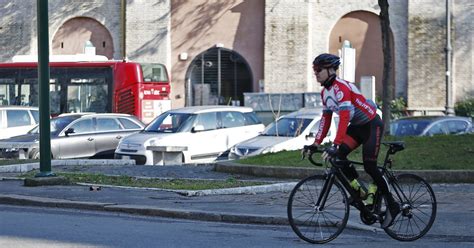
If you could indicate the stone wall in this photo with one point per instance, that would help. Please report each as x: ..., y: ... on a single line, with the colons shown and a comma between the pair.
x: 287, y: 50
x: 18, y: 23
x: 427, y: 57
x: 17, y: 27
x: 463, y: 53
x: 148, y: 36
x: 147, y: 26
x: 295, y: 32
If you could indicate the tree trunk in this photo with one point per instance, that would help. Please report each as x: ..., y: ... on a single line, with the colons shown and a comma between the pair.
x: 387, y: 64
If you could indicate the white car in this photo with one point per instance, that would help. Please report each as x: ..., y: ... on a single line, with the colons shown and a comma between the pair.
x: 190, y: 135
x: 17, y: 120
x: 289, y: 132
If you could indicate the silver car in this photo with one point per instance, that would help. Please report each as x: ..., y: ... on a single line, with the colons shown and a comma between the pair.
x: 289, y: 132
x: 430, y: 125
x: 79, y: 135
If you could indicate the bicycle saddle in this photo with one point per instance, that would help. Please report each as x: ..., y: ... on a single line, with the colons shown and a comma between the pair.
x: 395, y: 146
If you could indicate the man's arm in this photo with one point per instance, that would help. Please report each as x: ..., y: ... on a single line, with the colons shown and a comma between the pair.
x: 324, y: 124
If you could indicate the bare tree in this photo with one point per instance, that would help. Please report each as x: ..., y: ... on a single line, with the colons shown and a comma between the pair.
x: 387, y: 63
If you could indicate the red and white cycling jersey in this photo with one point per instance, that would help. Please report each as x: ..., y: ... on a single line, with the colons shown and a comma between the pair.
x: 346, y: 100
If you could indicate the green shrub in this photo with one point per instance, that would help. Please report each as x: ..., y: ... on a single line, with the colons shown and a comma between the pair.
x: 398, y: 107
x: 465, y: 108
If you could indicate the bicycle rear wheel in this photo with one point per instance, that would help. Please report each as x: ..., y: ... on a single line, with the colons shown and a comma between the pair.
x: 418, y: 208
x: 311, y: 222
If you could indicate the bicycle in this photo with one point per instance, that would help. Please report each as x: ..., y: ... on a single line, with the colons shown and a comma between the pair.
x: 318, y: 206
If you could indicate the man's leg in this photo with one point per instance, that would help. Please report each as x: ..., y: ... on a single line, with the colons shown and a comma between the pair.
x: 348, y: 145
x: 370, y: 152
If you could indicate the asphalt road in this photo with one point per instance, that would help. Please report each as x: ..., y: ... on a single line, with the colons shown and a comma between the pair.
x: 43, y: 227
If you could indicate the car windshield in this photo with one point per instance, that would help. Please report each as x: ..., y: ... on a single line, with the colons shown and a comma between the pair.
x: 57, y: 124
x: 170, y: 122
x: 408, y: 127
x: 288, y: 127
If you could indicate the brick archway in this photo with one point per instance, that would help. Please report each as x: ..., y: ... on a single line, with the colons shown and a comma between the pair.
x: 363, y: 30
x: 72, y: 35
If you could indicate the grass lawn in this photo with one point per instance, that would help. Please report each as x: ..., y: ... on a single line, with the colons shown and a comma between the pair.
x: 151, y: 183
x: 446, y: 152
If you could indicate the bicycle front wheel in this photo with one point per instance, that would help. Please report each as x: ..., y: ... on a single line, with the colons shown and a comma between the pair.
x: 316, y: 223
x: 418, y: 208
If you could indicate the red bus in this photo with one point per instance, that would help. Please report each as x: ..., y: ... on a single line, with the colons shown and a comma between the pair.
x: 140, y: 89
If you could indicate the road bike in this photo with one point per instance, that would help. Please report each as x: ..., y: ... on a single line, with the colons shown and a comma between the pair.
x: 318, y: 206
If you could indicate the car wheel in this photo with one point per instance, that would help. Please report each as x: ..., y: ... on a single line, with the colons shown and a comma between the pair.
x: 34, y: 154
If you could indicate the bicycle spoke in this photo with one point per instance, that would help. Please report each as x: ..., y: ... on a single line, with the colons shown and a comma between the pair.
x: 305, y: 203
x: 334, y: 215
x: 414, y: 200
x: 416, y: 216
x: 305, y: 213
x: 419, y: 228
x: 310, y: 194
x: 423, y: 213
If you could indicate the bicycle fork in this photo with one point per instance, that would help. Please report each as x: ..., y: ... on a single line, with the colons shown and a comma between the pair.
x: 325, y: 192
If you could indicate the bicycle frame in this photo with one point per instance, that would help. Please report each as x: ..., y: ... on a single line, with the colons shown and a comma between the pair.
x: 335, y: 173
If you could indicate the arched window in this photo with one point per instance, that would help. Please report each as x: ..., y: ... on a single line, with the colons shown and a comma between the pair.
x: 362, y: 29
x: 73, y: 34
x: 217, y: 76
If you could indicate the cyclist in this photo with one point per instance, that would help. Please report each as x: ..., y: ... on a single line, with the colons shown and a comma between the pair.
x: 358, y: 124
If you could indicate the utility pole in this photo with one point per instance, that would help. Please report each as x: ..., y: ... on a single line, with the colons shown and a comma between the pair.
x: 43, y: 80
x: 449, y: 50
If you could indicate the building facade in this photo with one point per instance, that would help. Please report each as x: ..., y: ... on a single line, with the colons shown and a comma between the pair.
x: 216, y: 50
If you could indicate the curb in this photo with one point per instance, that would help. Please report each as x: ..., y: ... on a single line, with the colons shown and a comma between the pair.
x: 250, y: 190
x: 432, y: 176
x: 86, y: 162
x: 22, y: 200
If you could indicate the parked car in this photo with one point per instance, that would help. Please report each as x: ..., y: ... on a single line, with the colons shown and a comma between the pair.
x: 81, y: 135
x: 430, y: 125
x: 17, y: 120
x: 289, y: 132
x: 192, y: 134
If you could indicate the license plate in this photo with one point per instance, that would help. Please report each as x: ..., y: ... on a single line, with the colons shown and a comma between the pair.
x: 125, y: 157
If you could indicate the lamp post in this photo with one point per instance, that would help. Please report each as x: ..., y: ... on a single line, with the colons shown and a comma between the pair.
x: 449, y: 91
x: 43, y: 79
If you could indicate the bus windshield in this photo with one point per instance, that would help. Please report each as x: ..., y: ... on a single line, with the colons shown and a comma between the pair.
x: 153, y: 72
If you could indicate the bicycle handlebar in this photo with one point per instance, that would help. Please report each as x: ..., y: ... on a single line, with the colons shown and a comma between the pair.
x: 310, y: 151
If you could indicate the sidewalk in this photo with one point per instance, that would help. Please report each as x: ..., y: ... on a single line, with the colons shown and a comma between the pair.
x: 267, y: 207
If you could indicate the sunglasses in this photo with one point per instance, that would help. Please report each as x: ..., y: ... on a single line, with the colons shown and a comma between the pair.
x: 317, y: 69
